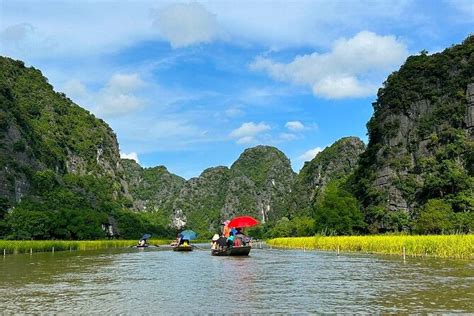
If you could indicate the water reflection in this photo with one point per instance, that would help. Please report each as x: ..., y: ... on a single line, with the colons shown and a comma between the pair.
x: 272, y: 281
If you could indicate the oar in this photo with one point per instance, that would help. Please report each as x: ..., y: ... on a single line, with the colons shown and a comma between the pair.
x: 197, y: 247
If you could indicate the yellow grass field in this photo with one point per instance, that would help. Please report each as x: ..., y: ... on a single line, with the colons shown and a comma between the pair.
x: 26, y: 246
x: 443, y: 246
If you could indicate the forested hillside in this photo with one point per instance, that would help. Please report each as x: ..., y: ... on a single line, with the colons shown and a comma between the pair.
x: 60, y: 169
x: 417, y: 171
x: 258, y: 184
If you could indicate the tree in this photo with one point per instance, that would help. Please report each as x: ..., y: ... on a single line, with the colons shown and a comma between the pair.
x: 26, y: 224
x: 282, y: 228
x: 338, y: 211
x: 304, y: 226
x: 435, y: 218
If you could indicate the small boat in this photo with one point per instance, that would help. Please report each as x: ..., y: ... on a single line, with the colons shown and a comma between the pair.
x: 144, y: 246
x: 232, y: 251
x: 183, y: 248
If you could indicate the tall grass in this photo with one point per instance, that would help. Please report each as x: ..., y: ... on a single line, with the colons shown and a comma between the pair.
x: 444, y: 246
x: 25, y: 246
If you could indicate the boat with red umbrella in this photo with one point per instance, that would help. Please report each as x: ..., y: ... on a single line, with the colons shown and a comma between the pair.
x: 243, y: 221
x: 236, y: 249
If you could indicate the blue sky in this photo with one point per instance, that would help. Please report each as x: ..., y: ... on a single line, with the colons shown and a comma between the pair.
x: 190, y: 85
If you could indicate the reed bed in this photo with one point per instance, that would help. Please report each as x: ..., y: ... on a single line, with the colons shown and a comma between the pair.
x: 441, y: 246
x: 27, y: 246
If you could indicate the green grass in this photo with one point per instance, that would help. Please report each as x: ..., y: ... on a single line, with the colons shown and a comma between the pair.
x: 444, y: 246
x: 25, y: 246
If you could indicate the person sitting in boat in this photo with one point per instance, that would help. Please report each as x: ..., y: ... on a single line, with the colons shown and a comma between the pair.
x: 226, y: 229
x: 142, y: 243
x: 222, y: 243
x: 214, y: 244
x: 177, y: 242
x: 243, y: 238
x: 238, y: 241
x: 230, y: 240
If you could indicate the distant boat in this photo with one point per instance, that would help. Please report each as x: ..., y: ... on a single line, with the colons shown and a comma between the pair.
x: 232, y: 251
x: 144, y: 246
x: 183, y: 248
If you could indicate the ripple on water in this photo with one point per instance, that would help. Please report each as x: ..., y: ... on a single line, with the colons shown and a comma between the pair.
x: 271, y: 281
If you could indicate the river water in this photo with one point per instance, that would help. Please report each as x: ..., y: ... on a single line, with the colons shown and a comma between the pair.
x: 158, y: 281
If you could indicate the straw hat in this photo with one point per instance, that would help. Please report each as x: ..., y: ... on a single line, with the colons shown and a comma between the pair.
x: 215, y: 237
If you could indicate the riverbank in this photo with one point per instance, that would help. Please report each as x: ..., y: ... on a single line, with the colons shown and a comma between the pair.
x: 29, y: 246
x: 444, y: 246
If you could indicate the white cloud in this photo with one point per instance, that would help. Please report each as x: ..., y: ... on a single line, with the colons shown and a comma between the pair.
x: 116, y: 98
x: 310, y: 154
x: 163, y: 132
x: 63, y: 28
x: 22, y: 39
x: 245, y: 140
x: 279, y: 24
x: 249, y: 129
x: 351, y: 69
x: 233, y: 112
x: 247, y: 132
x: 85, y: 28
x: 16, y: 33
x: 287, y: 137
x: 132, y: 155
x: 185, y: 24
x: 75, y: 89
x: 125, y: 82
x: 466, y: 7
x: 294, y: 125
x: 115, y: 104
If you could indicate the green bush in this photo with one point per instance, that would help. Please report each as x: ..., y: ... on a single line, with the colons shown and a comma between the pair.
x: 435, y: 218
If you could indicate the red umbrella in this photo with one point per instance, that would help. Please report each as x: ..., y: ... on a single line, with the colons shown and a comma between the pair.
x: 243, y: 221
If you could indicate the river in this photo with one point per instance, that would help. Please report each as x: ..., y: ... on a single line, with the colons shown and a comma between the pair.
x: 156, y: 281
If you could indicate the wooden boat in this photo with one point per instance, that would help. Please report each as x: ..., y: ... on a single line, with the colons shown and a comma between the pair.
x: 232, y: 251
x: 183, y: 248
x: 144, y: 246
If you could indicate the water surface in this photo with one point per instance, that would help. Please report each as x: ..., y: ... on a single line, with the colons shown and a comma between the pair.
x: 132, y: 281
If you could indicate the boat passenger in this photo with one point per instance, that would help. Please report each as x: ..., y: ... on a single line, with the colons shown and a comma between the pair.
x: 222, y: 243
x: 230, y: 240
x: 214, y: 244
x: 226, y: 229
x: 237, y: 241
x: 178, y: 240
x: 142, y: 243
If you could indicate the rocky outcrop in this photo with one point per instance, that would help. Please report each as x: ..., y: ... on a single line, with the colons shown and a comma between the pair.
x: 42, y: 129
x: 420, y: 135
x: 257, y: 184
x: 200, y: 200
x: 151, y: 189
x: 334, y: 162
x: 470, y: 109
x: 270, y: 172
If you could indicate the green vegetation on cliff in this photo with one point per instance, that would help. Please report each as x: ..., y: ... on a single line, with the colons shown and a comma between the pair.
x: 60, y: 168
x: 420, y: 145
x: 333, y: 163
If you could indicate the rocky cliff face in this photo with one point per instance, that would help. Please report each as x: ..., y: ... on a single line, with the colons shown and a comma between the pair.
x: 421, y: 133
x: 333, y: 163
x: 151, y: 188
x: 199, y: 202
x: 42, y: 129
x: 264, y: 178
x: 257, y: 184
